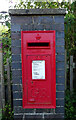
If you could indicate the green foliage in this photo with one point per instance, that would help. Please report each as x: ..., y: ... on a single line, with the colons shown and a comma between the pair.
x: 7, y: 113
x: 0, y: 113
x: 70, y: 105
x: 6, y: 38
x: 39, y: 5
x: 70, y: 30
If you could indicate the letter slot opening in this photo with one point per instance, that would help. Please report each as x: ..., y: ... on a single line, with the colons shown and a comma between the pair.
x: 38, y: 45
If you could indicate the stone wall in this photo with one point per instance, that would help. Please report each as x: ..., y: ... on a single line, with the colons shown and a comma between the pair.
x: 37, y: 19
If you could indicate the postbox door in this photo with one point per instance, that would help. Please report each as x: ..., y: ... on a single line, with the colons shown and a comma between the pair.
x: 39, y: 84
x: 38, y: 69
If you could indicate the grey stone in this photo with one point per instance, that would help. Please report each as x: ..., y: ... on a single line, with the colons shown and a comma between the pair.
x: 60, y: 73
x: 17, y: 102
x: 16, y: 73
x: 59, y: 49
x: 21, y: 20
x: 59, y: 94
x: 60, y: 58
x: 60, y: 65
x: 16, y: 65
x: 42, y: 20
x: 16, y: 58
x: 59, y: 19
x: 60, y: 79
x: 17, y: 79
x: 58, y: 27
x: 33, y: 117
x: 37, y: 11
x: 54, y: 117
x: 16, y: 50
x: 60, y: 42
x: 60, y: 102
x: 60, y: 87
x: 18, y: 117
x: 59, y: 35
x: 17, y: 88
x: 16, y: 43
x: 19, y: 109
x: 59, y: 110
x: 15, y: 28
x: 17, y: 95
x: 16, y: 35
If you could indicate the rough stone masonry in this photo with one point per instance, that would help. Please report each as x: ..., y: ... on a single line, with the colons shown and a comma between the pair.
x: 37, y: 19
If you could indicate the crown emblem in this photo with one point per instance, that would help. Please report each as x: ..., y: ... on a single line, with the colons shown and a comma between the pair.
x: 38, y: 37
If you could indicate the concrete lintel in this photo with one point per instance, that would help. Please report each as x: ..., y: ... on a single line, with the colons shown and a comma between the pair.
x: 26, y: 12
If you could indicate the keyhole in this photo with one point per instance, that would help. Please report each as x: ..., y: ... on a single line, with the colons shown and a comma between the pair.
x: 32, y: 82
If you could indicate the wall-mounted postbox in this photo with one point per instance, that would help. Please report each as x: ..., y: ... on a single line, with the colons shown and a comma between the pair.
x: 38, y: 69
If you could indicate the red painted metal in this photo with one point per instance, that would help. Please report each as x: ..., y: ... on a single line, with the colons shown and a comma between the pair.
x: 38, y: 48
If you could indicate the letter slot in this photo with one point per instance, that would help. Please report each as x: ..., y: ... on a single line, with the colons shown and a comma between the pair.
x: 38, y: 44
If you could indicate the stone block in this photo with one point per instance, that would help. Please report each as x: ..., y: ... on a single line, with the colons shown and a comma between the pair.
x: 33, y: 117
x: 60, y: 73
x: 16, y: 50
x: 16, y: 65
x: 43, y: 19
x: 17, y: 73
x: 60, y: 42
x: 20, y: 20
x: 60, y: 87
x: 59, y: 94
x: 59, y: 110
x: 60, y: 35
x: 17, y: 95
x: 60, y: 65
x: 17, y: 79
x: 54, y: 117
x: 18, y: 117
x: 59, y: 49
x: 60, y: 58
x: 58, y: 27
x: 60, y: 79
x: 16, y: 58
x: 17, y: 88
x: 16, y: 43
x: 27, y: 27
x: 59, y: 19
x: 19, y: 109
x: 17, y: 102
x: 60, y: 102
x: 16, y: 35
x: 15, y: 28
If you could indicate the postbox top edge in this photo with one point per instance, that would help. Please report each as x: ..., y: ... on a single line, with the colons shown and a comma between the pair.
x: 56, y: 11
x: 39, y: 31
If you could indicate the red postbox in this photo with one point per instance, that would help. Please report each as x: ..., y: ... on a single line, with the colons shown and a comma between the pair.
x: 38, y: 69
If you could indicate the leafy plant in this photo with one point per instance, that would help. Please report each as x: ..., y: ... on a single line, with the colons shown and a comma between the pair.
x: 70, y: 30
x: 6, y: 43
x: 70, y: 105
x: 6, y: 47
x: 6, y: 37
x: 7, y: 112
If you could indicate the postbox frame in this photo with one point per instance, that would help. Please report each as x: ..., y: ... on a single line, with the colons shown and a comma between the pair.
x: 24, y: 63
